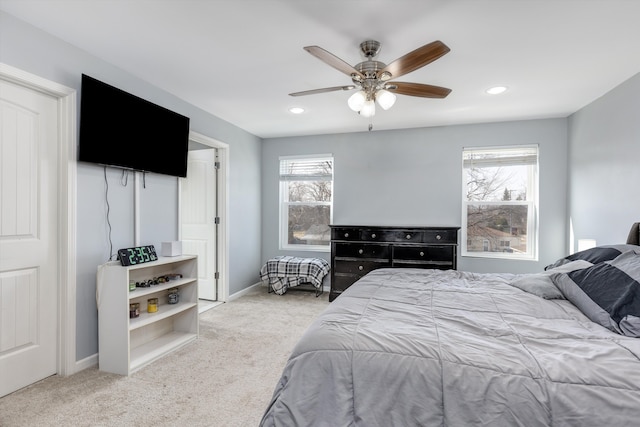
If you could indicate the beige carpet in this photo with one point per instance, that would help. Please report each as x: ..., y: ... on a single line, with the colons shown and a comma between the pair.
x: 225, y: 378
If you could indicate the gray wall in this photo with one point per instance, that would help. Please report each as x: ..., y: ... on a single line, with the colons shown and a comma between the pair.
x: 27, y: 48
x: 604, y: 156
x: 414, y: 177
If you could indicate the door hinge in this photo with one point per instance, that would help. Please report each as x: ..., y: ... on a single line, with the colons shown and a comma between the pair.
x: 216, y: 165
x: 216, y: 220
x: 216, y: 275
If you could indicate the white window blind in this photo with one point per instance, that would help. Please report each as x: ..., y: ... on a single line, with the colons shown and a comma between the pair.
x: 491, y: 157
x: 301, y: 169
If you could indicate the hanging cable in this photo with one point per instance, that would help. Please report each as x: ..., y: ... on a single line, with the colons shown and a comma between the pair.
x: 106, y: 199
x: 124, y: 179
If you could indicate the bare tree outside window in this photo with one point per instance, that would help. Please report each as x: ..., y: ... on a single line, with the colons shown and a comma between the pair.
x: 499, y: 203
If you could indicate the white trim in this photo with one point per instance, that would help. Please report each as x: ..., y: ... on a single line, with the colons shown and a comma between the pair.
x: 283, y: 211
x: 87, y: 362
x: 245, y: 291
x: 223, y: 209
x: 67, y: 199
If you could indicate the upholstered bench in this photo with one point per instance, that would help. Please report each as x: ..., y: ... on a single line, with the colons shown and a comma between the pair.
x: 284, y: 272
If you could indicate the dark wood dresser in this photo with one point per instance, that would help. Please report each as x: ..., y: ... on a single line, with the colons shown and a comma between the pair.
x: 357, y: 250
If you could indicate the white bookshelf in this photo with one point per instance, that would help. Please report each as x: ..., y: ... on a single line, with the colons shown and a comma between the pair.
x: 126, y: 345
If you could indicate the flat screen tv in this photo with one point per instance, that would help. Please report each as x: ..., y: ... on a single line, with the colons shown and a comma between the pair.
x: 122, y: 130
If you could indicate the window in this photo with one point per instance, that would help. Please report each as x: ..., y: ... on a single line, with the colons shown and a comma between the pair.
x: 306, y: 196
x: 500, y: 202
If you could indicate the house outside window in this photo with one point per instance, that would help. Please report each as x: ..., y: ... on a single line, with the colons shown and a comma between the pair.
x: 306, y: 202
x: 500, y: 202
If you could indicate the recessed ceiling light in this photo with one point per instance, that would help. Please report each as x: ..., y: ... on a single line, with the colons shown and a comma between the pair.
x: 296, y: 110
x: 496, y: 90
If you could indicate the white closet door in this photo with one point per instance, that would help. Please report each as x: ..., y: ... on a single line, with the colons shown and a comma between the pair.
x: 28, y: 236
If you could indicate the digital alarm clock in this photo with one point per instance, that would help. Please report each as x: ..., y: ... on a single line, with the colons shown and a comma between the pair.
x: 137, y: 255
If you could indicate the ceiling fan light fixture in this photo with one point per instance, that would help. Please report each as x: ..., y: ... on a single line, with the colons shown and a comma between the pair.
x: 385, y: 99
x: 384, y: 76
x: 368, y: 109
x: 357, y: 100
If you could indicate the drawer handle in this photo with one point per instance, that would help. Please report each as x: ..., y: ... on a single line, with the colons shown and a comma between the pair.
x: 346, y: 234
x: 438, y: 237
x: 360, y: 268
x: 408, y: 236
x: 373, y: 236
x: 421, y: 253
x: 360, y: 251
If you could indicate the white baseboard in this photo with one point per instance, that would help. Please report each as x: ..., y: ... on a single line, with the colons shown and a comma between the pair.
x: 238, y: 294
x: 87, y: 362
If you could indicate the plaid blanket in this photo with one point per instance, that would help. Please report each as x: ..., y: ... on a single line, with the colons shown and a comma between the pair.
x: 286, y: 271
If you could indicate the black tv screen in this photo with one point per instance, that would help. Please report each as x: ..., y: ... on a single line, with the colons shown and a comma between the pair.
x: 120, y: 129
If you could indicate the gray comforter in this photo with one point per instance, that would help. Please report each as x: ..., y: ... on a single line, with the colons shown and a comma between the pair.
x: 408, y: 347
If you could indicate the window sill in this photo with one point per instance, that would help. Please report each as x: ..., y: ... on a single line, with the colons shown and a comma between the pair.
x: 499, y: 255
x: 306, y: 248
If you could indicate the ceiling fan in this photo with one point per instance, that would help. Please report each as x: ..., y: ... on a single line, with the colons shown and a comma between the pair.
x: 373, y: 78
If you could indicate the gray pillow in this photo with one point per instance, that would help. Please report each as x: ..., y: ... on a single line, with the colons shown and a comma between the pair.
x: 607, y: 293
x: 540, y: 284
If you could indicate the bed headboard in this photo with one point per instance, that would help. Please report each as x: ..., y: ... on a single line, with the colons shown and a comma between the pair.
x: 634, y: 234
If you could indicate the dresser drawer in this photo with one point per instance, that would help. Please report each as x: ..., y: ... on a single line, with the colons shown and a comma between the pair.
x: 372, y: 235
x: 423, y: 253
x: 345, y: 233
x: 358, y: 267
x: 440, y: 236
x: 403, y: 235
x: 359, y: 250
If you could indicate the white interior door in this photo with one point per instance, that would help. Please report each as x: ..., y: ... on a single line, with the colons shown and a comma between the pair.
x: 198, y: 218
x: 28, y: 236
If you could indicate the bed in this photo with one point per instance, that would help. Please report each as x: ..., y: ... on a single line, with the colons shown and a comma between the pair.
x: 412, y: 347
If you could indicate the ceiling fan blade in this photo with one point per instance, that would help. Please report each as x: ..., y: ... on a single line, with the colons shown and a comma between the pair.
x: 323, y: 90
x: 332, y: 60
x: 415, y: 59
x: 418, y: 89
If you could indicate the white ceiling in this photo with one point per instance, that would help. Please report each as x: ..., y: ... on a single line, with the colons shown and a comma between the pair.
x: 239, y: 59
